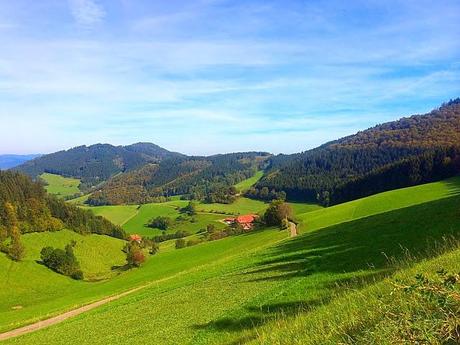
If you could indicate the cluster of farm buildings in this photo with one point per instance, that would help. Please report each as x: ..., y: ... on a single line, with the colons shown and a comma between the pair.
x: 245, y: 221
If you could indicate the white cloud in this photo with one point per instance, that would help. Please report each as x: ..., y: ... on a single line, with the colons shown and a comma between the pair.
x: 87, y: 13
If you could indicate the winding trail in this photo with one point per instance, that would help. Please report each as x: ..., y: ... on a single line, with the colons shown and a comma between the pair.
x: 61, y: 317
x: 80, y: 310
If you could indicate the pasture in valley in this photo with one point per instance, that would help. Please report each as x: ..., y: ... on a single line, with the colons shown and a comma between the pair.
x: 60, y: 186
x: 246, y: 184
x: 237, y: 289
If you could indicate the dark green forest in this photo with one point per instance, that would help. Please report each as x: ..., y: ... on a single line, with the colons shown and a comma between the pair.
x: 410, y: 151
x: 96, y: 163
x: 199, y: 178
x: 26, y: 207
x: 397, y: 154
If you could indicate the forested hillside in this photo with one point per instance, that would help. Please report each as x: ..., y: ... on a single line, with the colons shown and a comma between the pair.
x: 25, y: 207
x: 406, y: 152
x: 194, y: 177
x: 96, y: 163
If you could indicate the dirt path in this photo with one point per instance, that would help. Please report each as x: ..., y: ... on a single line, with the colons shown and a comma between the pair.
x: 293, y: 229
x: 59, y: 318
x: 64, y: 316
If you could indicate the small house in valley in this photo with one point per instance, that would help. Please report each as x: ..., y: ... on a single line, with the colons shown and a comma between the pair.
x: 135, y: 238
x: 245, y: 221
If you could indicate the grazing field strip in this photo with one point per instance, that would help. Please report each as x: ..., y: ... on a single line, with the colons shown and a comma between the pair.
x: 246, y: 184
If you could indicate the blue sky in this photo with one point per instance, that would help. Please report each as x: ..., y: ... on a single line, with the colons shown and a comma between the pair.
x: 210, y: 76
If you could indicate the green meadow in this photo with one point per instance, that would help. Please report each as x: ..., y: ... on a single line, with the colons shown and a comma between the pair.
x: 116, y: 214
x: 60, y: 186
x: 246, y: 184
x: 378, y: 203
x: 134, y: 218
x: 317, y: 288
x: 231, y: 290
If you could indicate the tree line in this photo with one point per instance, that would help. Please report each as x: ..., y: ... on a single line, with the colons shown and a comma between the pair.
x: 26, y: 207
x: 423, y: 146
x: 196, y: 178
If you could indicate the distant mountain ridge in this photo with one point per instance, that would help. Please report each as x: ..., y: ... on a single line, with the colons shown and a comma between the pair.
x: 96, y: 163
x: 197, y: 178
x: 8, y: 161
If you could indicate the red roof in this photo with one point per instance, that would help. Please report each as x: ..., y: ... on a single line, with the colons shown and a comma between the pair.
x: 248, y: 218
x: 135, y: 237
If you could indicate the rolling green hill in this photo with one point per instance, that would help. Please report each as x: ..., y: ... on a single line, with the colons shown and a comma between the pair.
x: 240, y: 293
x: 226, y: 291
x: 134, y: 218
x: 379, y: 203
x: 402, y: 153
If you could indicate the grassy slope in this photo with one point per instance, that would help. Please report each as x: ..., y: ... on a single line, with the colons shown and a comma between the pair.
x: 240, y: 206
x: 246, y: 184
x: 378, y: 203
x: 224, y: 303
x: 116, y: 214
x: 357, y: 317
x: 60, y: 186
x: 44, y: 293
x: 30, y: 284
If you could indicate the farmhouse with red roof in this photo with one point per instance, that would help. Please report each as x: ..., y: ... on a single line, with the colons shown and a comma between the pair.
x: 135, y: 238
x: 245, y: 221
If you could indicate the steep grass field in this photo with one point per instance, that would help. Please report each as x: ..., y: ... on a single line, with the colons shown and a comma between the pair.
x: 250, y: 286
x: 116, y: 214
x: 60, y: 186
x: 43, y: 293
x: 246, y: 184
x: 29, y: 285
x: 378, y: 203
x: 377, y: 314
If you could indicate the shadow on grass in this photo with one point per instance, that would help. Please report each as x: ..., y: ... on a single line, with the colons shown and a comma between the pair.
x: 121, y: 268
x: 453, y: 185
x: 365, y: 243
x: 365, y: 250
x: 256, y: 316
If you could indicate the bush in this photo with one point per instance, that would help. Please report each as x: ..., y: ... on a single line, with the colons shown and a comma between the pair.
x: 161, y: 222
x: 180, y: 243
x: 190, y: 209
x: 167, y: 237
x: 193, y: 242
x: 62, y: 261
x: 77, y: 275
x: 276, y: 212
x: 426, y: 311
x: 16, y: 251
x: 134, y: 255
x: 154, y: 248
